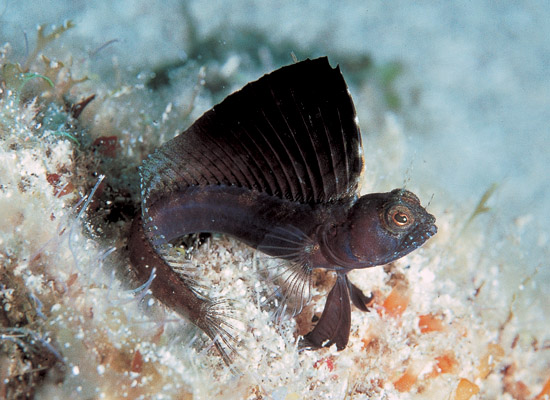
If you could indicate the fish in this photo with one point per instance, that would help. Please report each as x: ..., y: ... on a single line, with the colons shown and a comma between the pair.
x: 277, y: 165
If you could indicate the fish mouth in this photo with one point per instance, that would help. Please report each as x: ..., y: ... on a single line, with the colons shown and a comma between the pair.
x: 429, y: 221
x: 432, y: 230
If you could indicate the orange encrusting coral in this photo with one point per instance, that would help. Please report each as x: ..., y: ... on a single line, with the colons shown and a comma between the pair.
x: 396, y: 303
x: 465, y: 390
x: 493, y: 355
x: 443, y: 365
x: 406, y: 381
x: 430, y: 323
x: 544, y: 392
x: 446, y: 363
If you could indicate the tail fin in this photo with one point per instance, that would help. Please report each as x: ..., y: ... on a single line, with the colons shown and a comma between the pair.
x: 178, y: 292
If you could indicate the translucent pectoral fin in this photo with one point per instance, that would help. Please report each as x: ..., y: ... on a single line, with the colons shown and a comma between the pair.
x: 292, y: 278
x: 292, y: 289
x: 335, y: 322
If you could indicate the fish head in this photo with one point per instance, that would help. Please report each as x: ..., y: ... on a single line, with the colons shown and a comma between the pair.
x: 386, y: 226
x: 380, y: 228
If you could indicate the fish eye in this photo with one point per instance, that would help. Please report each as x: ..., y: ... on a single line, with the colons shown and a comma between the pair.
x: 399, y: 216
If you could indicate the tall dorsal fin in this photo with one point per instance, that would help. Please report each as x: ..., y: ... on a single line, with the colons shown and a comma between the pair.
x: 291, y: 134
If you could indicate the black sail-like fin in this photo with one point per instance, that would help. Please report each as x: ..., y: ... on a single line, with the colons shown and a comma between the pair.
x: 291, y: 134
x: 334, y: 325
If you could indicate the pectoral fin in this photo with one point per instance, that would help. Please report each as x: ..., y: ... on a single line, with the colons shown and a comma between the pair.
x: 335, y: 322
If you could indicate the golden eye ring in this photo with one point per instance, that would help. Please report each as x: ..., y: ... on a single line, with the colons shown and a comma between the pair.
x: 399, y: 217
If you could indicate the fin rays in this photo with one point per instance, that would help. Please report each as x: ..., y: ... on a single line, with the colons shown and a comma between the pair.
x: 297, y: 160
x: 316, y: 186
x: 293, y: 279
x: 293, y: 289
x: 216, y: 324
x: 290, y: 134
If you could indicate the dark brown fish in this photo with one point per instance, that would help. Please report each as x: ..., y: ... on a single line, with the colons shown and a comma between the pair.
x: 276, y: 165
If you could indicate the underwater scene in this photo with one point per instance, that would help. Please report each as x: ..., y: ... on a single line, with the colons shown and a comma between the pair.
x: 260, y: 200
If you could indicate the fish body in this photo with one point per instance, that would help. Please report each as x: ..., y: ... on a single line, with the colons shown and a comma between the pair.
x: 276, y: 165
